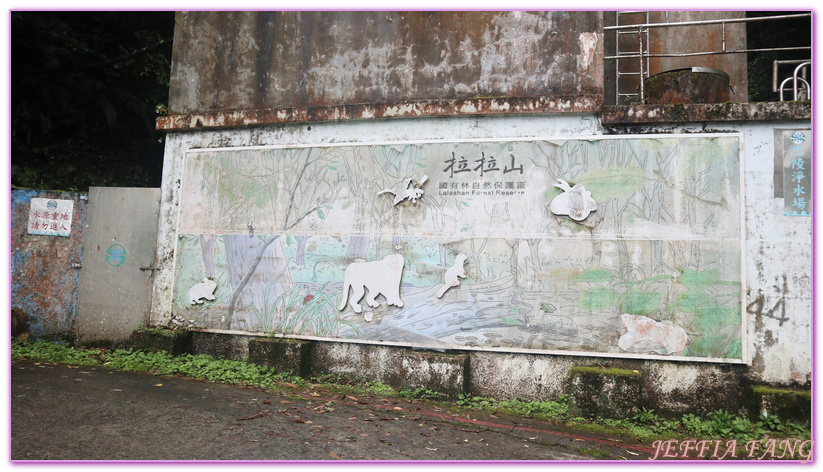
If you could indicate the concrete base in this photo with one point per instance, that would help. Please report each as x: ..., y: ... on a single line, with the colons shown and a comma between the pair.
x: 445, y: 374
x: 173, y: 342
x: 221, y: 346
x: 614, y: 390
x: 607, y: 393
x: 787, y: 405
x: 282, y: 355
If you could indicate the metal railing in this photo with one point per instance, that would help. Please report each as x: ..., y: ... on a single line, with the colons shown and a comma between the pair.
x: 643, y: 54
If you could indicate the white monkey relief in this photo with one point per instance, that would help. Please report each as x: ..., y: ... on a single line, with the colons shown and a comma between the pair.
x: 576, y: 202
x: 378, y: 277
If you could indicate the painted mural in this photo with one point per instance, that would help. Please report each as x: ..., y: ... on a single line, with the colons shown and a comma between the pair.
x: 617, y: 246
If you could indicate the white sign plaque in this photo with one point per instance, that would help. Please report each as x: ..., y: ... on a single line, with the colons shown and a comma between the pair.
x: 50, y: 217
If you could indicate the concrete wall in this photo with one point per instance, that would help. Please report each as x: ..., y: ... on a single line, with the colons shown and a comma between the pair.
x: 228, y: 64
x: 43, y: 280
x: 778, y: 248
x: 250, y: 60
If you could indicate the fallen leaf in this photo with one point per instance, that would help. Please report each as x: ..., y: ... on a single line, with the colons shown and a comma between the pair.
x: 353, y: 418
x: 285, y: 401
x: 262, y: 413
x: 352, y: 398
x: 633, y: 453
x: 401, y: 453
x: 117, y: 390
x: 336, y: 456
x: 434, y: 449
x: 267, y: 402
x: 291, y: 385
x: 398, y: 408
x: 298, y: 420
x: 314, y: 394
x: 158, y: 385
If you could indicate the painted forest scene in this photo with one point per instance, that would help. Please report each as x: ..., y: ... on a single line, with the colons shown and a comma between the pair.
x: 471, y: 245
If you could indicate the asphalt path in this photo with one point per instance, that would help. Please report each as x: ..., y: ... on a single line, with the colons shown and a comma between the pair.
x: 77, y: 413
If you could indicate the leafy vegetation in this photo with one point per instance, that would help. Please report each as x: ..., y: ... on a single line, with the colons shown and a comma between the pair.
x: 86, y: 89
x: 645, y: 425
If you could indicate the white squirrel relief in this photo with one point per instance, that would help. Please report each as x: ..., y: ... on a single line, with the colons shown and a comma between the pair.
x: 576, y: 202
x: 202, y: 290
x: 406, y: 190
x: 378, y: 277
x: 450, y: 278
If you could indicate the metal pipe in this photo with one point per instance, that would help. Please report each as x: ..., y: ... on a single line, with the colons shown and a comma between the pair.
x: 803, y: 82
x: 710, y: 22
x: 724, y: 37
x: 777, y: 63
x: 640, y: 40
x: 796, y: 70
x: 712, y: 53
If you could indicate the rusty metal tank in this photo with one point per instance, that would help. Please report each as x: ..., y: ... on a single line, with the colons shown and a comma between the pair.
x: 688, y: 85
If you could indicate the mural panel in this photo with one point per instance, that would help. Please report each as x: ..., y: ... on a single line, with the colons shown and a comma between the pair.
x: 614, y: 246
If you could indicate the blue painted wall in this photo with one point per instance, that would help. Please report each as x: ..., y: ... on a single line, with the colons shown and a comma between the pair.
x: 43, y: 281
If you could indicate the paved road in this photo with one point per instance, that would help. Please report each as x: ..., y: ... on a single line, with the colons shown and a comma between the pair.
x: 61, y: 412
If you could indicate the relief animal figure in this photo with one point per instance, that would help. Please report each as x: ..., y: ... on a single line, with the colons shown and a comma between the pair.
x: 406, y: 190
x: 646, y: 334
x: 450, y: 278
x: 378, y: 277
x: 577, y: 202
x: 202, y: 290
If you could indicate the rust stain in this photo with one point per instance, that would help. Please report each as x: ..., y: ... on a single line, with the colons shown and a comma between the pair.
x: 476, y: 106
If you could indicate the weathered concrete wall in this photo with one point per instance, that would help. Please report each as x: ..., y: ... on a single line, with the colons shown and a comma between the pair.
x: 777, y: 255
x: 259, y: 60
x: 778, y: 248
x: 330, y: 73
x: 318, y: 133
x: 43, y: 280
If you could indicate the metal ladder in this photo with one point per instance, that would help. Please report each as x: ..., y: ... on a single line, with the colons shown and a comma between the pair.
x: 642, y: 35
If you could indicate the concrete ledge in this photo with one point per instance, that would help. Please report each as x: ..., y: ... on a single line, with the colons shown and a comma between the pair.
x: 282, y: 355
x: 706, y: 112
x: 674, y: 389
x: 795, y: 405
x: 607, y: 393
x: 383, y: 364
x: 220, y: 345
x: 446, y: 374
x: 173, y: 342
